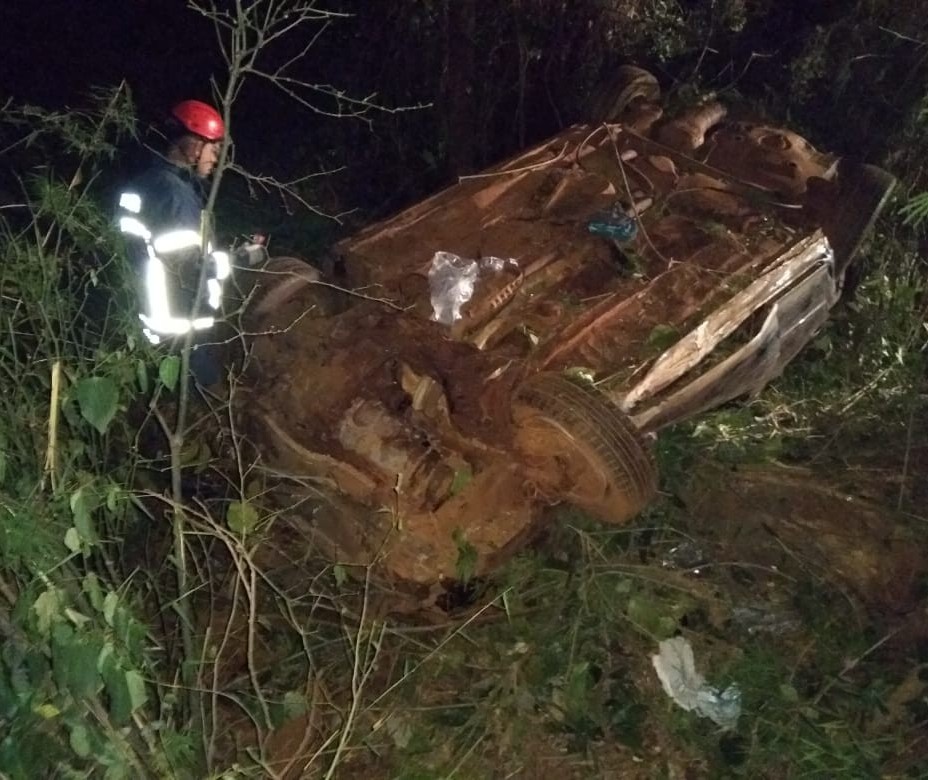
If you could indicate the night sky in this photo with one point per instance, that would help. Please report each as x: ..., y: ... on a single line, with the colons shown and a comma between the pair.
x: 54, y: 51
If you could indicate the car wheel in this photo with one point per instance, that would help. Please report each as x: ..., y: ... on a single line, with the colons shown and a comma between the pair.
x: 628, y: 85
x: 582, y: 448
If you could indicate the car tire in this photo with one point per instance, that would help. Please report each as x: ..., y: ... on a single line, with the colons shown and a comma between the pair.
x: 583, y: 448
x: 628, y: 85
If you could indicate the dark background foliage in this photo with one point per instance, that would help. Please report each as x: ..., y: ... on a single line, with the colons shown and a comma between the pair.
x: 490, y: 76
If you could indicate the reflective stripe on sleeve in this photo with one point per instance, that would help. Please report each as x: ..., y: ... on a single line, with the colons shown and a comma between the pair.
x: 214, y: 290
x: 133, y: 227
x: 130, y: 201
x: 173, y: 326
x: 156, y: 286
x: 176, y: 240
x: 223, y: 266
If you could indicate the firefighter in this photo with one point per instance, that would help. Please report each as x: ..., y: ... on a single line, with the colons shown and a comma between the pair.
x: 180, y: 275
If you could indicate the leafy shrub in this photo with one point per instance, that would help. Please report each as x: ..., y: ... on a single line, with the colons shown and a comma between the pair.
x: 77, y: 666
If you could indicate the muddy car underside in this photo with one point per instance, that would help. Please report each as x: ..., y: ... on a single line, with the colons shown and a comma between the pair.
x: 624, y: 276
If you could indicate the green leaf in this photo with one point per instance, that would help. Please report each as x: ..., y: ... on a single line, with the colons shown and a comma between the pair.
x: 136, y: 688
x: 116, y: 688
x: 72, y: 539
x: 128, y: 630
x: 294, y: 704
x: 91, y: 587
x: 47, y: 711
x: 113, y: 497
x: 76, y: 617
x: 341, y: 576
x: 80, y: 741
x: 105, y: 659
x: 141, y: 375
x: 74, y: 661
x: 109, y: 607
x: 47, y: 609
x: 242, y: 517
x: 126, y: 690
x: 82, y: 506
x: 169, y: 371
x: 97, y: 397
x: 577, y: 689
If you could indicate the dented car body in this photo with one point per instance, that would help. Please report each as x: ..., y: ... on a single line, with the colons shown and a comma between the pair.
x: 616, y: 279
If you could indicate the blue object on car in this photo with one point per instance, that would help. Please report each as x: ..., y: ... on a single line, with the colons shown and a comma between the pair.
x: 613, y: 225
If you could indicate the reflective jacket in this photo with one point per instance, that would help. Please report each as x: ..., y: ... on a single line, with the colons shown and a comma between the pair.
x: 160, y: 214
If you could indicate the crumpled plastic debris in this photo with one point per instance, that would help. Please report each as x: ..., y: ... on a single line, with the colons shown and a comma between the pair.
x: 452, y: 279
x: 676, y: 669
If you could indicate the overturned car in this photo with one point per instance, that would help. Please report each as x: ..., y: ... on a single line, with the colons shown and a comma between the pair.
x: 516, y: 340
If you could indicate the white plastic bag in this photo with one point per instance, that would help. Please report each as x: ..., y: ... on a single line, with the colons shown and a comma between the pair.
x: 452, y: 280
x: 676, y: 669
x: 451, y: 284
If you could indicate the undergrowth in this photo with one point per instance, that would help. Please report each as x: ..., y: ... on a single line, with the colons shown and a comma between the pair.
x: 79, y: 655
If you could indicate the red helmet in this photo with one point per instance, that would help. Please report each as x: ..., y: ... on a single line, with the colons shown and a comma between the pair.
x: 200, y: 119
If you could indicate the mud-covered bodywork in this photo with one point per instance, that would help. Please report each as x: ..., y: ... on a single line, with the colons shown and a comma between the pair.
x: 645, y: 269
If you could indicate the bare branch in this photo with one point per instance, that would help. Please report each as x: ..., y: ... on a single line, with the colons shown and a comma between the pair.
x: 305, y: 50
x: 903, y: 36
x: 290, y: 85
x: 269, y: 183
